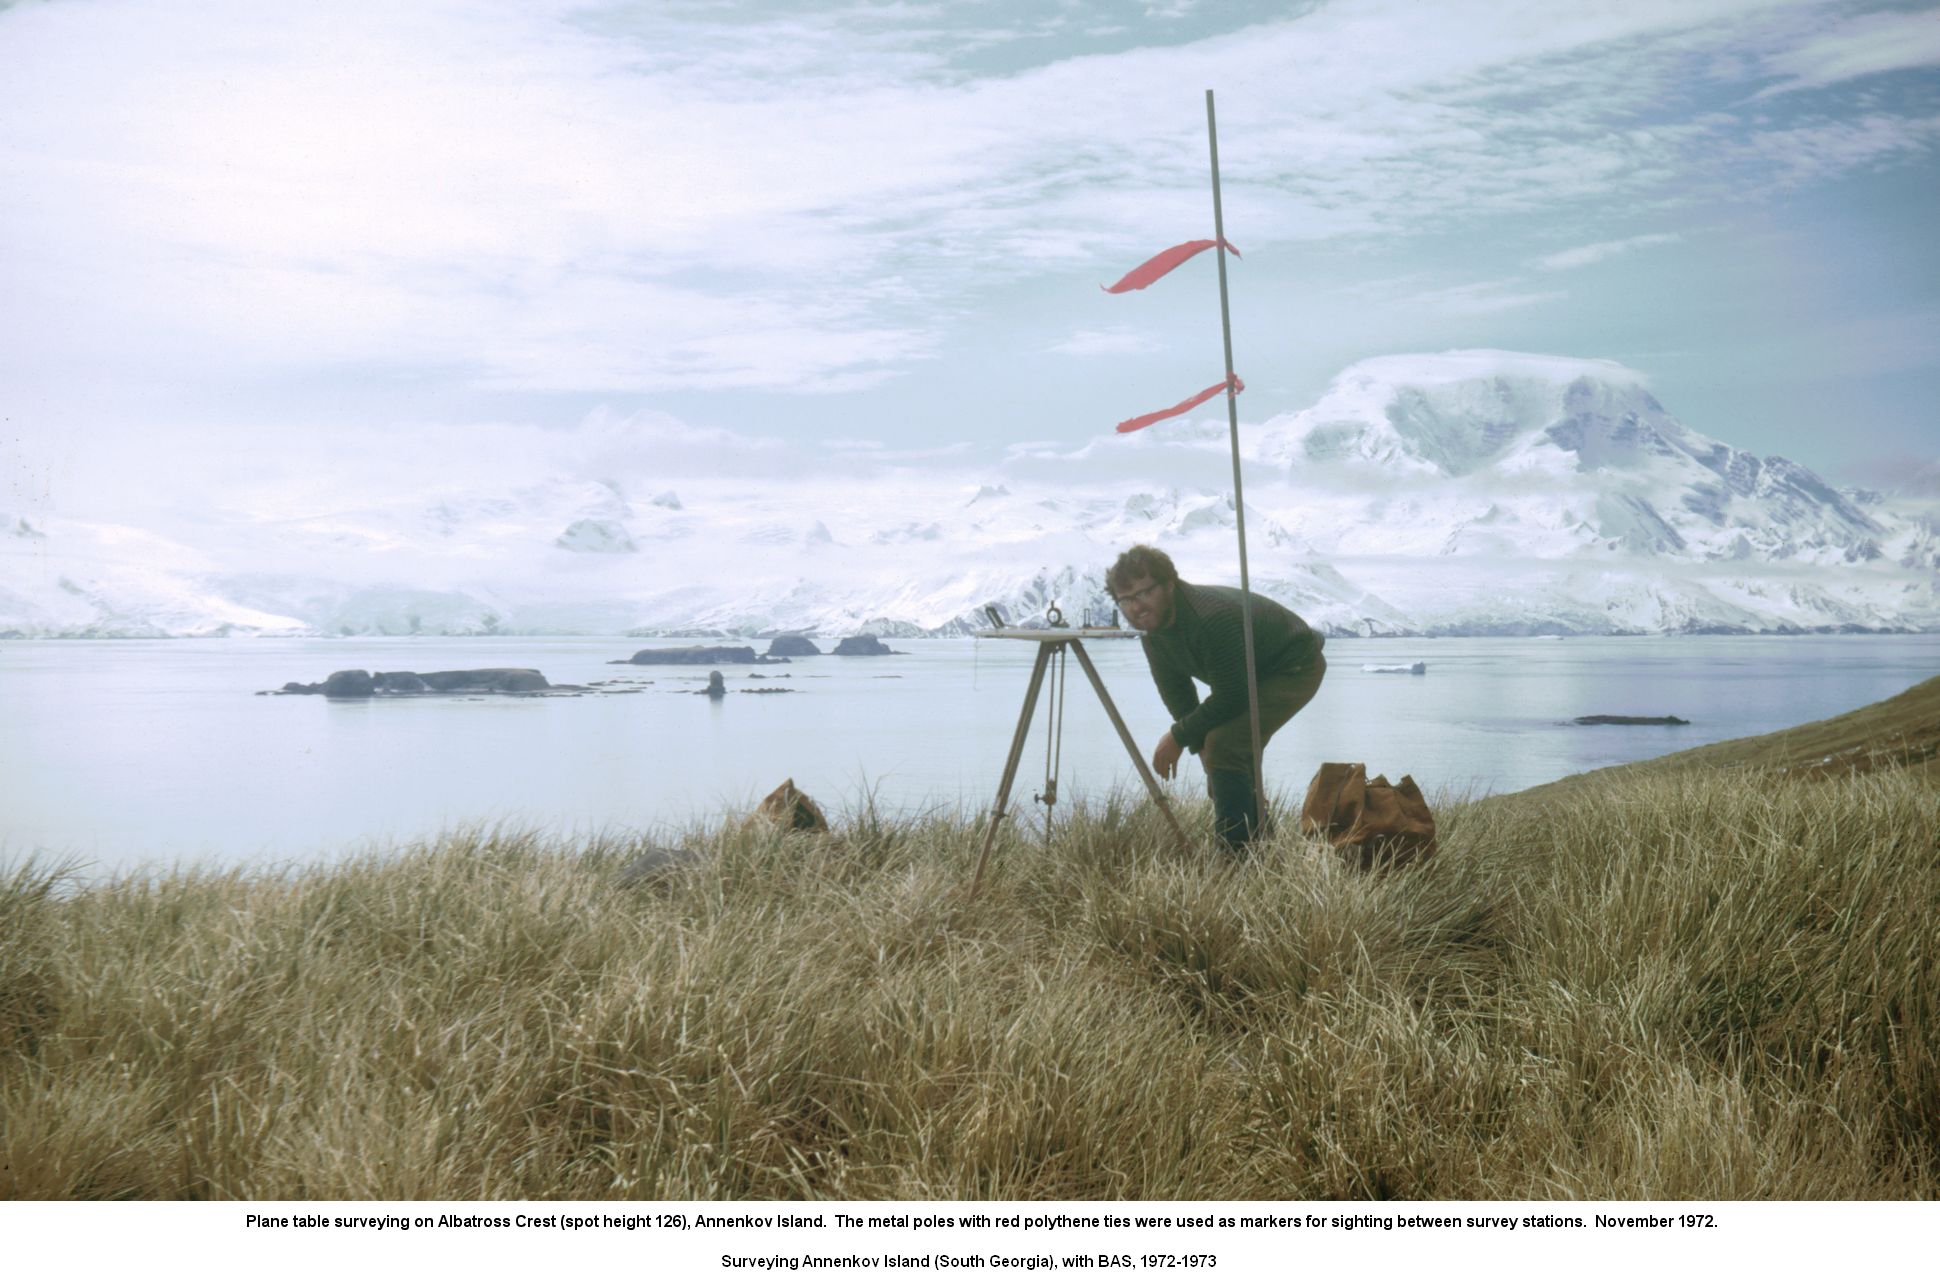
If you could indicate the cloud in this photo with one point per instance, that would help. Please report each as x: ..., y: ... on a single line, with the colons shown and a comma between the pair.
x: 1905, y: 473
x: 1424, y: 294
x: 474, y: 187
x: 1820, y: 149
x: 1868, y: 44
x: 1591, y: 253
x: 540, y: 197
x: 1094, y: 342
x: 1194, y: 450
x: 1469, y: 299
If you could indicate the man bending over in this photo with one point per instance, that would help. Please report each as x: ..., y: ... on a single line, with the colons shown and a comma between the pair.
x: 1194, y: 631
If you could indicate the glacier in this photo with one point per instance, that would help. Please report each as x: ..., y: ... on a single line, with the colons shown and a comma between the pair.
x: 1474, y: 492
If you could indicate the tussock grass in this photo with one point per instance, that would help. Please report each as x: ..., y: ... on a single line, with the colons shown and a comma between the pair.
x: 1680, y: 985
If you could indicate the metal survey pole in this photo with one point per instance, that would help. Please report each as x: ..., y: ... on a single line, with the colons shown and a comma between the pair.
x: 1239, y: 502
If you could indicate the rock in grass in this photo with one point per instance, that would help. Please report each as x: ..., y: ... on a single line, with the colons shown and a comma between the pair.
x: 654, y: 864
x: 789, y: 808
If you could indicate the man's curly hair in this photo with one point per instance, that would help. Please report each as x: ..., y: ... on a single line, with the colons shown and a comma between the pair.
x: 1140, y: 561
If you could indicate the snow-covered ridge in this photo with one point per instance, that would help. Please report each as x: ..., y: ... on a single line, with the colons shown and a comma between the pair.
x: 1477, y: 491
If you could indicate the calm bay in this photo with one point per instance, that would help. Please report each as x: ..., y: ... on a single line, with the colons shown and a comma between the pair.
x: 121, y: 755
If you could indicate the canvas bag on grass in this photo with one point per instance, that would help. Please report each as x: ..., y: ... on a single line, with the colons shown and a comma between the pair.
x: 1371, y: 823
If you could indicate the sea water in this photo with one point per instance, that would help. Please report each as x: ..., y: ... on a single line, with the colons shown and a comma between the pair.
x: 120, y: 755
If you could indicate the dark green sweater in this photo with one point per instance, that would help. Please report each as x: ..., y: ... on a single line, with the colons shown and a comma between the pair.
x: 1206, y: 640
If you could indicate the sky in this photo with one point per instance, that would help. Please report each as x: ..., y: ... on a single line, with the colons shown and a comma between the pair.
x: 250, y: 245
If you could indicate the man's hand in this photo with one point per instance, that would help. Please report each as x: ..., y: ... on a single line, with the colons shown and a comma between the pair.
x: 1165, y: 757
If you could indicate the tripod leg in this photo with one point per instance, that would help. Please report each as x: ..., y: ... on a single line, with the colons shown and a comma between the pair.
x: 1010, y: 765
x: 1125, y: 736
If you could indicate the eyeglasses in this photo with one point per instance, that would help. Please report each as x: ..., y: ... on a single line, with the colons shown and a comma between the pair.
x: 1137, y: 598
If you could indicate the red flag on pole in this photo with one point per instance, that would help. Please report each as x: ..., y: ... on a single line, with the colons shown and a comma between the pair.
x: 1163, y: 264
x: 1138, y: 422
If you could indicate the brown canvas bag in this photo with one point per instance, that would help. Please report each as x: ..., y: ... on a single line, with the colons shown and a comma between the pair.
x: 1371, y: 823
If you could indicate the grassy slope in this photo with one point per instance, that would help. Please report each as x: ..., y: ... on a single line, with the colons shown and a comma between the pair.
x: 1683, y: 981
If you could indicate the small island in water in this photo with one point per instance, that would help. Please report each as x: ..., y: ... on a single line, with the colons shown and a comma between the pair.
x: 356, y: 683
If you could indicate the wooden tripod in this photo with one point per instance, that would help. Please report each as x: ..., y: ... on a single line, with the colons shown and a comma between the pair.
x: 1050, y: 641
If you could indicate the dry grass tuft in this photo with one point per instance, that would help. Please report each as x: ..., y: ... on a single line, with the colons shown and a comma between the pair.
x: 1683, y: 984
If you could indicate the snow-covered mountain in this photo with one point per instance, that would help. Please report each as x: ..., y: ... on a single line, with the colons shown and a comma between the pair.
x: 1554, y: 458
x: 1468, y: 492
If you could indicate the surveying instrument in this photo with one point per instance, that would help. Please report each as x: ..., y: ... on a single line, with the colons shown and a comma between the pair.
x: 1054, y: 642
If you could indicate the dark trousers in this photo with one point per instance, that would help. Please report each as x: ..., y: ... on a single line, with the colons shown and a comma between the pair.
x: 1229, y: 747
